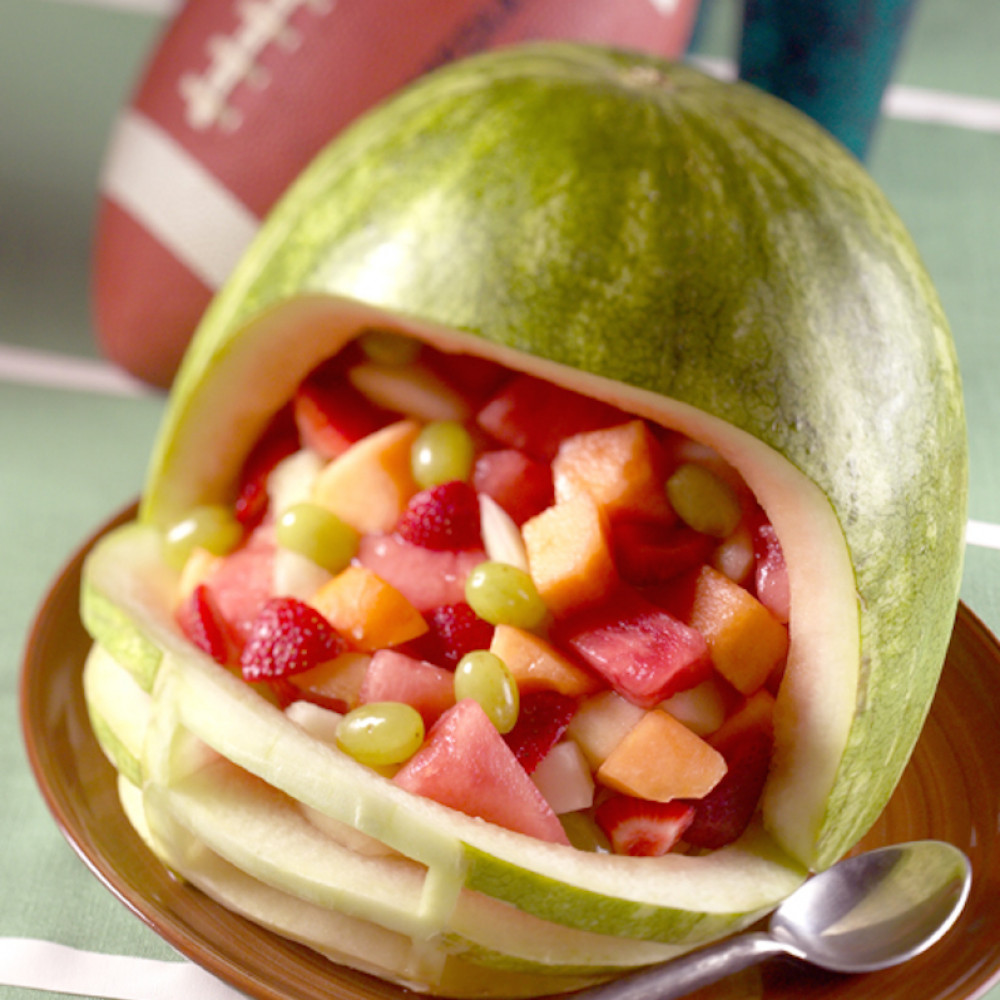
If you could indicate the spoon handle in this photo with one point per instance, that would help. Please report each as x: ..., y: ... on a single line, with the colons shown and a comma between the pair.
x: 690, y: 972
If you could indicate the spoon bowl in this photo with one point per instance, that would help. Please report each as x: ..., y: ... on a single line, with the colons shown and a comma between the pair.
x: 867, y: 912
x: 877, y: 909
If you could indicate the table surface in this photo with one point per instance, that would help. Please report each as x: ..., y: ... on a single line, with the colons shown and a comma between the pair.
x: 74, y: 434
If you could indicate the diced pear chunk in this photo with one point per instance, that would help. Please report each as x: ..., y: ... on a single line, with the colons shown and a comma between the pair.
x: 411, y: 389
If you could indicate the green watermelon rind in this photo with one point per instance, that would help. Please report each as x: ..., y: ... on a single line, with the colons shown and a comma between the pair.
x: 690, y: 237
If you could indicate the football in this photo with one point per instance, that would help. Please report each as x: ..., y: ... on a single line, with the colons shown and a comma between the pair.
x: 238, y: 96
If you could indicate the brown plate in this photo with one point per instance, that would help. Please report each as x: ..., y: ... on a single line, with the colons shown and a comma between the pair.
x: 951, y: 791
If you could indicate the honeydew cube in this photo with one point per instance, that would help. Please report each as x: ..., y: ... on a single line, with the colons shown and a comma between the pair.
x: 296, y: 575
x: 565, y: 779
x: 701, y: 708
x: 661, y: 759
x: 197, y: 568
x: 319, y: 722
x: 734, y: 556
x: 568, y: 554
x: 369, y: 485
x: 536, y: 665
x: 618, y: 467
x: 745, y: 641
x: 601, y: 723
x: 292, y: 480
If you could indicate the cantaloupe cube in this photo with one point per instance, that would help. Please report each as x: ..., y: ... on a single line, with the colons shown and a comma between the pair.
x: 568, y: 554
x: 601, y: 723
x: 538, y: 666
x: 369, y: 485
x: 661, y: 759
x: 745, y: 641
x: 619, y: 467
x: 368, y: 612
x: 334, y: 685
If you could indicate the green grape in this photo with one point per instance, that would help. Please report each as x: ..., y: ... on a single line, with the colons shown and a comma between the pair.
x: 387, y: 348
x: 484, y: 677
x: 212, y: 527
x: 380, y: 733
x: 443, y: 451
x: 318, y: 534
x: 703, y: 501
x: 504, y: 595
x: 584, y: 834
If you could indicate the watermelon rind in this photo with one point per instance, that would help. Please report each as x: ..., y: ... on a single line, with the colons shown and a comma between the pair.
x: 695, y: 252
x: 650, y: 224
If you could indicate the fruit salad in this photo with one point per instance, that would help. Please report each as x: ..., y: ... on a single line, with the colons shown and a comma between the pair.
x: 518, y: 601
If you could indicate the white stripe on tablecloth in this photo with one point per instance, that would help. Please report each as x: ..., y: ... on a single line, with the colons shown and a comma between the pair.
x: 916, y: 104
x: 983, y: 534
x: 42, y: 965
x: 28, y: 366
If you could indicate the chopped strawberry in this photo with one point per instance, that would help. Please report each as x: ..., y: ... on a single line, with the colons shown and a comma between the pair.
x: 331, y: 414
x: 279, y: 440
x: 521, y: 484
x: 202, y: 621
x: 722, y: 815
x: 288, y: 637
x: 651, y: 552
x: 642, y: 828
x: 474, y: 378
x: 543, y: 719
x: 444, y: 517
x: 453, y: 631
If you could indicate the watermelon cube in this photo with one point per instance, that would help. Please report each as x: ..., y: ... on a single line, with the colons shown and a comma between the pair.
x: 428, y: 578
x: 535, y: 416
x: 394, y: 676
x: 652, y: 551
x: 466, y: 765
x: 642, y: 651
x: 519, y: 483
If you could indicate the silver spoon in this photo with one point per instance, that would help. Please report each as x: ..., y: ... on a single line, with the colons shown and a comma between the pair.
x: 865, y: 913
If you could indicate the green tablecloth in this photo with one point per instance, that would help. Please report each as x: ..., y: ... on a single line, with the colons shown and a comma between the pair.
x: 74, y: 435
